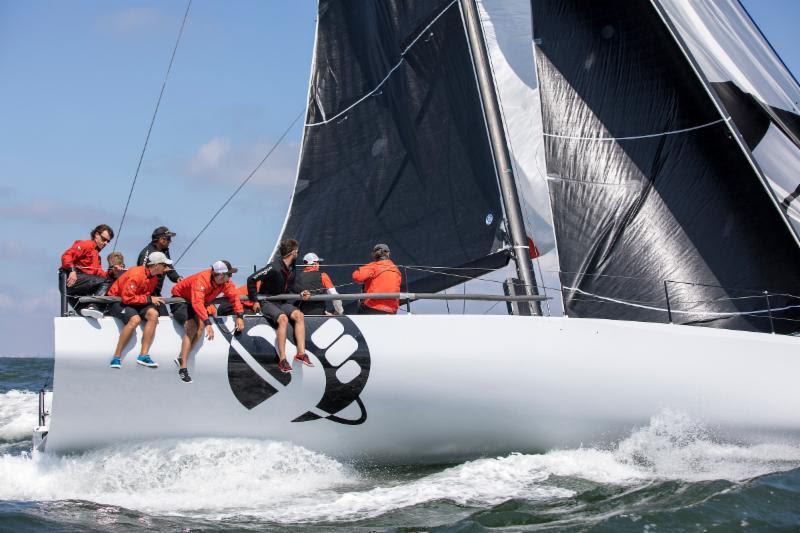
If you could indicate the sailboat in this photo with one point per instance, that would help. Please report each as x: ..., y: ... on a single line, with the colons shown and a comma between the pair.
x: 645, y: 151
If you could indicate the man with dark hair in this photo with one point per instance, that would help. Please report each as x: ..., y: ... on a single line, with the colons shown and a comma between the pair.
x: 199, y: 290
x: 278, y: 277
x: 82, y: 271
x: 159, y: 242
x: 135, y: 289
x: 382, y: 275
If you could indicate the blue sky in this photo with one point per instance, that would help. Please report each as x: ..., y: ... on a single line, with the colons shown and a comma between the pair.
x: 79, y: 81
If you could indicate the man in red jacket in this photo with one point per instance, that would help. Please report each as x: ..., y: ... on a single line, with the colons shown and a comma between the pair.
x: 135, y: 289
x: 382, y: 275
x: 84, y: 273
x: 199, y: 290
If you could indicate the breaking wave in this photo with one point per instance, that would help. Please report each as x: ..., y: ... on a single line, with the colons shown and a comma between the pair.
x: 281, y: 482
x: 18, y: 414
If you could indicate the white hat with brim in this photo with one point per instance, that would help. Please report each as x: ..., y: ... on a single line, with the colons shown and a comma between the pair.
x: 311, y: 258
x: 158, y: 258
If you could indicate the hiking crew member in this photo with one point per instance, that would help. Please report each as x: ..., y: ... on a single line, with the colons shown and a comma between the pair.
x: 199, y: 290
x: 382, y: 275
x: 316, y: 282
x: 135, y: 290
x: 116, y: 266
x: 160, y: 241
x: 84, y: 273
x: 278, y: 278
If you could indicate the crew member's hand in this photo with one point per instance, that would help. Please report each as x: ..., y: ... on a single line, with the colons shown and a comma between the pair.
x: 210, y: 332
x: 305, y: 295
x: 239, y: 324
x: 156, y: 300
x: 72, y: 278
x: 257, y: 307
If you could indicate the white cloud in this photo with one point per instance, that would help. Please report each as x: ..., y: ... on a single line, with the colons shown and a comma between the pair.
x: 132, y: 19
x: 48, y: 211
x: 219, y: 160
x: 14, y: 250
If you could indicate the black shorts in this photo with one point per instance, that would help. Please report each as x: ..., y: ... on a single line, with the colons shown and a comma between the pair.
x: 273, y: 310
x: 182, y: 312
x: 126, y: 312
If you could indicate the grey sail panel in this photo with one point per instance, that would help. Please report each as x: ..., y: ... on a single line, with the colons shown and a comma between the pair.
x: 755, y: 87
x: 395, y: 148
x: 646, y: 182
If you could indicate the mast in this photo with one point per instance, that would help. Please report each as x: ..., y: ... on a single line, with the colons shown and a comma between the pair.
x: 502, y: 160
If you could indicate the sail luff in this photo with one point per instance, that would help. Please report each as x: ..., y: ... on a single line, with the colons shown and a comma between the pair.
x: 720, y: 106
x: 312, y: 68
x: 499, y: 143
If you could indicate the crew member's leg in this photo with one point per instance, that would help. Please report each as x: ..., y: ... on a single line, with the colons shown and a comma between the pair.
x: 188, y: 340
x: 131, y: 319
x: 299, y: 324
x: 88, y: 285
x: 283, y: 323
x: 151, y: 321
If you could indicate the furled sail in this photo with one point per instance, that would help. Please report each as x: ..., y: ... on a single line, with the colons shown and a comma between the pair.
x: 657, y: 210
x: 395, y: 147
x: 756, y: 88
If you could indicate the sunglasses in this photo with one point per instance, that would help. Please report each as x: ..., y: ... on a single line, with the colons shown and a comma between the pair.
x: 104, y: 239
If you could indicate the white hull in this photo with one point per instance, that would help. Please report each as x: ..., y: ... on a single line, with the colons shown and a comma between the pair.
x: 438, y: 387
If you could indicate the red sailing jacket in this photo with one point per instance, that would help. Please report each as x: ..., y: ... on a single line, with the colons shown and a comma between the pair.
x: 242, y: 291
x: 200, y: 290
x: 380, y: 276
x: 134, y: 286
x: 83, y: 255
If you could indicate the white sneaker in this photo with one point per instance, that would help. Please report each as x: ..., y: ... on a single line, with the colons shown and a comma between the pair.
x: 92, y: 312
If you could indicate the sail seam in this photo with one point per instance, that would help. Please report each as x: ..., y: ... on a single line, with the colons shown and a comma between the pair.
x: 648, y: 136
x: 680, y: 312
x: 391, y: 71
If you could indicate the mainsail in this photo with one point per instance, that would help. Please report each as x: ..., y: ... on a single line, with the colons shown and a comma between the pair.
x: 395, y: 147
x: 658, y: 211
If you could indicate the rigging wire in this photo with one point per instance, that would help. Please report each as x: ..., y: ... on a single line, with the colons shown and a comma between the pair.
x: 152, y: 122
x: 239, y: 188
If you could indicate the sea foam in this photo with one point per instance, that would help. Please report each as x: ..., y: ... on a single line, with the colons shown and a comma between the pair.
x: 280, y: 482
x: 19, y: 414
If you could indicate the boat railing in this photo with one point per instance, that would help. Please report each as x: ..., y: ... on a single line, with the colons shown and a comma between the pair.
x: 768, y: 307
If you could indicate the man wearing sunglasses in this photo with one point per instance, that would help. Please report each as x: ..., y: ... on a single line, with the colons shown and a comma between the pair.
x: 159, y: 242
x: 81, y: 272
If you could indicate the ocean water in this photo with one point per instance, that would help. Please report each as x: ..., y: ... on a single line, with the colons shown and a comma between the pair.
x: 671, y: 475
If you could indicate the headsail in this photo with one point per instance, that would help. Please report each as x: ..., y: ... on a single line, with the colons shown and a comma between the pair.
x: 395, y: 147
x: 647, y: 184
x: 756, y: 88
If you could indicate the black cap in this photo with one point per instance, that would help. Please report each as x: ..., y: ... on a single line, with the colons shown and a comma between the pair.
x: 162, y: 231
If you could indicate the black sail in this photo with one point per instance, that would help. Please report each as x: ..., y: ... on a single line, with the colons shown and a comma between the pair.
x: 395, y: 148
x: 656, y: 207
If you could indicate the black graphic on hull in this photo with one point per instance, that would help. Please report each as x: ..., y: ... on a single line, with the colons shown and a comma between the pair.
x: 343, y: 341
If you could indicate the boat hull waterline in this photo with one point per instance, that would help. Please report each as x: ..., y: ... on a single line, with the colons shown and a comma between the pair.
x: 430, y: 388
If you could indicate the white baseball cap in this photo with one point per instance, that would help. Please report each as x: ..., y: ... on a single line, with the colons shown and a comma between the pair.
x: 223, y: 267
x: 311, y: 258
x: 158, y: 258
